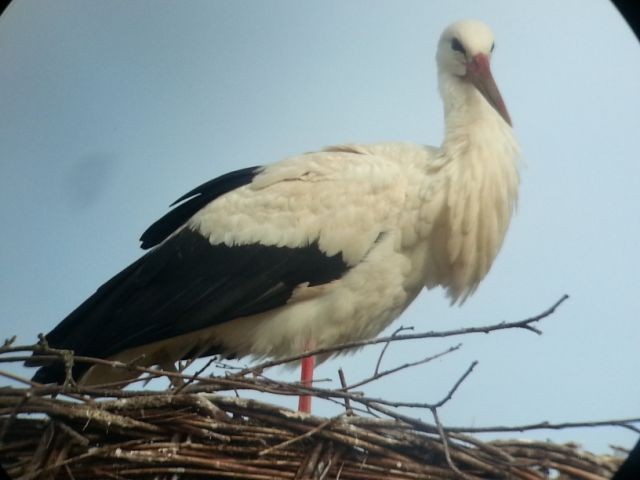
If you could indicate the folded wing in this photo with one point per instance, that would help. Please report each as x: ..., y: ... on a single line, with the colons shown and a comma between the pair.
x: 238, y: 246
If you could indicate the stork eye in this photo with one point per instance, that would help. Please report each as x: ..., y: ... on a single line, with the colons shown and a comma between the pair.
x: 457, y: 46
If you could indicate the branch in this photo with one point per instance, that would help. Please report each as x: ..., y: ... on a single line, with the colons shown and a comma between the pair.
x: 307, y: 434
x: 445, y: 446
x: 624, y: 423
x: 523, y: 324
x: 343, y: 382
x: 456, y: 385
x: 384, y: 373
x: 386, y: 345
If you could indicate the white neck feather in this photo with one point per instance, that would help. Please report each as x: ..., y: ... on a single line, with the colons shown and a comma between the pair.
x: 481, y: 155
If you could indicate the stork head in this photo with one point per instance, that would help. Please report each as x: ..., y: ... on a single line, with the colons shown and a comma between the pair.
x: 464, y: 51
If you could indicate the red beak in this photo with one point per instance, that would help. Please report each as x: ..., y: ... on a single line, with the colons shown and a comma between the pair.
x: 479, y: 73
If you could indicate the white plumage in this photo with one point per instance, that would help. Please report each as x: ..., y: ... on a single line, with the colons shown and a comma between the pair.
x: 380, y: 222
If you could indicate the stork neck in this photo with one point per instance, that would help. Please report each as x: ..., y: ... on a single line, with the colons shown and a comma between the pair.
x: 480, y: 155
x: 466, y: 114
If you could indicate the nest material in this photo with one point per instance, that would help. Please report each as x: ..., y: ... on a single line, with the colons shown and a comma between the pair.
x: 148, y: 435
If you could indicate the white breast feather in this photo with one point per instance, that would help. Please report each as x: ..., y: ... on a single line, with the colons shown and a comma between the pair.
x: 482, y: 194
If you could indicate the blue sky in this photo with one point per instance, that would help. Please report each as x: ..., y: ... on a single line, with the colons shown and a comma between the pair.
x: 112, y: 110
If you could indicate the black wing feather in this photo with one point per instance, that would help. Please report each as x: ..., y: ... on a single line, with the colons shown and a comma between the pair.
x: 185, y: 285
x: 195, y: 200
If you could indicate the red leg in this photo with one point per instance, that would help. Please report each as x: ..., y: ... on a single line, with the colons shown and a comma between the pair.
x: 306, y: 379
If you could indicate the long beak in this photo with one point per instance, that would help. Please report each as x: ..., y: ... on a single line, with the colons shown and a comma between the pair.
x: 479, y: 73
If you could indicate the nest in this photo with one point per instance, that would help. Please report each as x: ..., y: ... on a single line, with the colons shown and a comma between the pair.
x: 201, y: 428
x: 203, y: 435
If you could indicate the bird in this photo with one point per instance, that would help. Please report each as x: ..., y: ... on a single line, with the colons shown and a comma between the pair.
x: 317, y: 249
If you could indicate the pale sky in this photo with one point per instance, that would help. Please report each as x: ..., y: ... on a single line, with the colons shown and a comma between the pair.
x: 109, y: 111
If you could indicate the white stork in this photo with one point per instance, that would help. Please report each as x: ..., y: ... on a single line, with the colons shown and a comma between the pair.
x: 315, y: 250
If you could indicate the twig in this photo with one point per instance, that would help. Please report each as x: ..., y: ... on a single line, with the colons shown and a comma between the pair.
x: 343, y: 383
x: 523, y: 324
x: 401, y: 367
x: 195, y: 376
x: 624, y: 423
x: 307, y: 434
x: 456, y: 385
x: 386, y: 345
x: 376, y: 403
x: 445, y: 445
x: 66, y: 355
x: 20, y: 379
